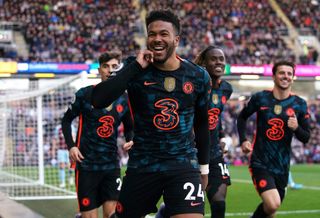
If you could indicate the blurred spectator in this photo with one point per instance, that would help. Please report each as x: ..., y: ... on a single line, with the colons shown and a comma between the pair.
x: 248, y: 31
x: 74, y: 31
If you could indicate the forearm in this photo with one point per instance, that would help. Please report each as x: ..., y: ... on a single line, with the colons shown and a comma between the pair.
x: 302, y: 134
x: 201, y: 129
x: 108, y: 91
x: 67, y: 130
x: 241, y: 126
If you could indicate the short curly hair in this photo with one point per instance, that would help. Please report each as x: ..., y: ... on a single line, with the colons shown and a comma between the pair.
x: 164, y: 15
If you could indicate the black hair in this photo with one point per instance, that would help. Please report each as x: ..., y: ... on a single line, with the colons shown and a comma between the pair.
x: 164, y: 15
x: 281, y: 63
x: 201, y: 57
x: 105, y: 57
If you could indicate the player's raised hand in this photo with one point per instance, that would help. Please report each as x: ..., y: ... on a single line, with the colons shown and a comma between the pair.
x: 75, y: 155
x: 293, y: 122
x: 127, y: 146
x: 144, y: 58
x: 246, y: 147
x: 223, y: 145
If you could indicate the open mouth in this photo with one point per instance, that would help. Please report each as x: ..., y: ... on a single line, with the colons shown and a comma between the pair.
x: 157, y: 50
x: 219, y: 69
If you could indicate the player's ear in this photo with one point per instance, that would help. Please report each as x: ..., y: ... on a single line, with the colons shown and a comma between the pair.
x: 176, y: 40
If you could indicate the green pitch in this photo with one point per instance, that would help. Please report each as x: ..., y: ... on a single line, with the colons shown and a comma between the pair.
x: 242, y: 198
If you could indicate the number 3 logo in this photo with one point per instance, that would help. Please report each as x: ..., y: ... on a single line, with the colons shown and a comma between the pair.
x: 276, y: 131
x: 213, y: 116
x: 106, y: 129
x: 169, y: 118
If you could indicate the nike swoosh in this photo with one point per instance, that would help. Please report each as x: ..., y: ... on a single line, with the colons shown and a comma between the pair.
x: 146, y: 83
x: 264, y: 108
x: 193, y: 204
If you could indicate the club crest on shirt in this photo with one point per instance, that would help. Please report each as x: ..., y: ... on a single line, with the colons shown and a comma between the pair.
x: 169, y: 84
x: 277, y: 109
x: 119, y: 108
x: 223, y: 99
x: 290, y: 112
x: 109, y: 108
x: 215, y: 98
x: 187, y: 87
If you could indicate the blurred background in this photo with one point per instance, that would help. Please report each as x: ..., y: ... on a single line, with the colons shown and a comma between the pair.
x: 49, y: 49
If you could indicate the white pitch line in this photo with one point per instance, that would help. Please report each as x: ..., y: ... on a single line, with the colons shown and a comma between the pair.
x: 250, y: 213
x: 317, y: 188
x: 279, y: 212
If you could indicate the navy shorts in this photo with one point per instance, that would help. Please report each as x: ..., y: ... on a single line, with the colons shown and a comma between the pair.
x: 264, y: 180
x: 140, y: 193
x: 218, y: 175
x: 96, y: 187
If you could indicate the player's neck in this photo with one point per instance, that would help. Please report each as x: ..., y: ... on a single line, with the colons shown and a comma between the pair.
x: 215, y: 82
x: 173, y: 63
x: 281, y: 94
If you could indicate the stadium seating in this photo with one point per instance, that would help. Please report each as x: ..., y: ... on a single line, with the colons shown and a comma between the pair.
x: 78, y: 31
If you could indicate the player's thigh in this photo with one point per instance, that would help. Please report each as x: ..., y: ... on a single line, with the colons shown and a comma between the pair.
x: 192, y: 215
x: 109, y: 208
x: 90, y: 214
x: 271, y: 199
x: 264, y: 181
x: 265, y: 184
x: 88, y: 183
x: 281, y: 184
x: 219, y: 179
x: 183, y: 193
x: 140, y: 192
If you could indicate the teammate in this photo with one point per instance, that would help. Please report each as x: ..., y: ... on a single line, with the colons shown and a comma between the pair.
x: 213, y: 59
x: 280, y: 115
x: 169, y: 98
x: 95, y: 150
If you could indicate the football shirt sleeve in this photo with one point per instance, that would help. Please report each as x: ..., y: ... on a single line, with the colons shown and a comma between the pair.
x: 66, y: 123
x: 201, y: 126
x: 303, y: 131
x: 246, y: 112
x: 108, y: 91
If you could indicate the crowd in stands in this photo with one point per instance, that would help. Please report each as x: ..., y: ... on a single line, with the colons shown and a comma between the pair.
x: 305, y: 15
x: 73, y: 31
x: 249, y: 31
x: 78, y: 31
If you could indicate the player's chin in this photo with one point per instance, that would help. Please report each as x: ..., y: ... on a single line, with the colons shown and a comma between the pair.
x: 285, y: 87
x: 159, y: 59
x: 217, y: 73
